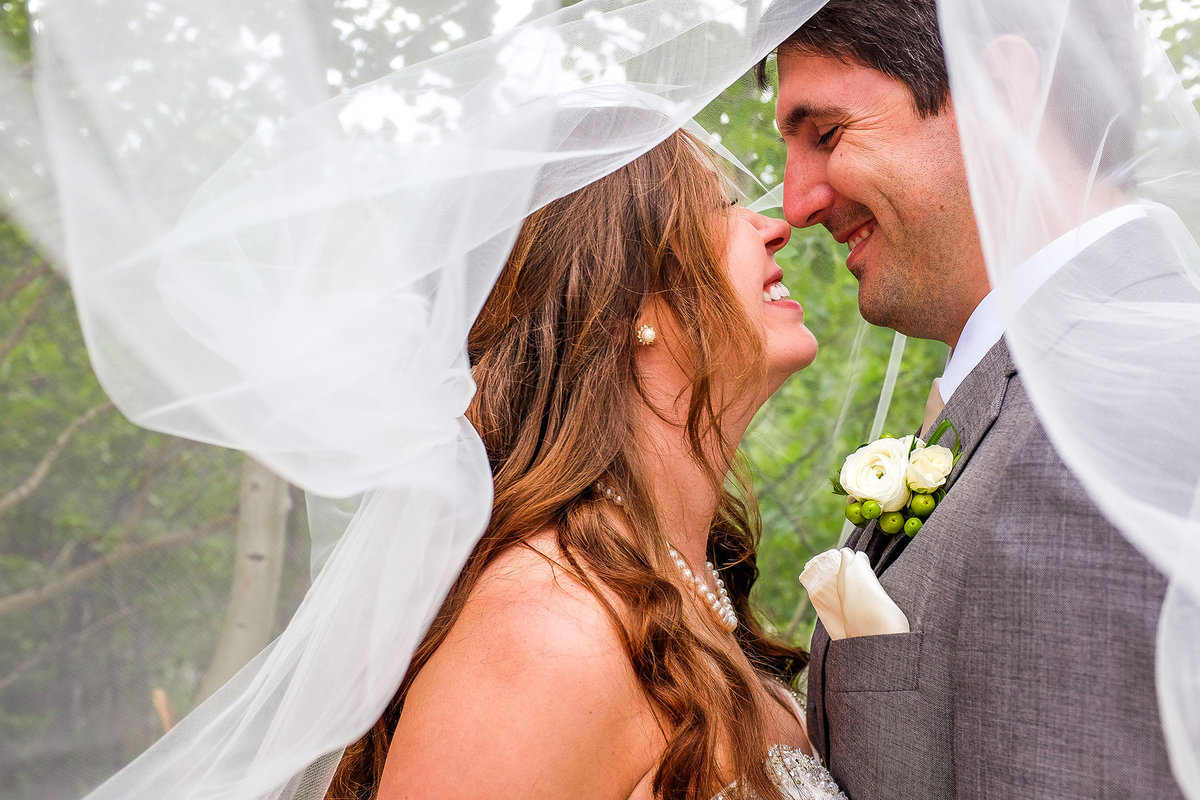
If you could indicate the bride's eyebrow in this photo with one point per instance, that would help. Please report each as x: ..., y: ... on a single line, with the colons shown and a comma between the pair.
x: 800, y: 113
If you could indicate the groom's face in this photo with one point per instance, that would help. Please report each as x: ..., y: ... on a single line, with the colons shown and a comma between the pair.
x: 887, y: 182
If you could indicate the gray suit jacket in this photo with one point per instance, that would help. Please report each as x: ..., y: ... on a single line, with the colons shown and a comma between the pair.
x: 1029, y: 668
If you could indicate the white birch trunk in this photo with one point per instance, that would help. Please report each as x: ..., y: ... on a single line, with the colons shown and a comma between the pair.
x: 253, y: 599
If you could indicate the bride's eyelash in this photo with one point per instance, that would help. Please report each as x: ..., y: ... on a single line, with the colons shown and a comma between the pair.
x: 732, y: 202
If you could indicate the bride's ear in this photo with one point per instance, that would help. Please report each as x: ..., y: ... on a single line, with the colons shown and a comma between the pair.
x: 1014, y: 69
x: 657, y: 355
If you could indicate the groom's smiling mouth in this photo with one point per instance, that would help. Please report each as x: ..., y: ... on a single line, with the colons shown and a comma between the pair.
x: 860, y: 237
x: 855, y: 239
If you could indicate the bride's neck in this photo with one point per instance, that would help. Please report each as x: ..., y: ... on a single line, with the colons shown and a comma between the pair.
x: 682, y: 490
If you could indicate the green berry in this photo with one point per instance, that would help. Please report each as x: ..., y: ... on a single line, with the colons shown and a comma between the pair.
x: 891, y: 522
x: 912, y: 525
x: 871, y: 509
x: 854, y: 513
x: 922, y: 505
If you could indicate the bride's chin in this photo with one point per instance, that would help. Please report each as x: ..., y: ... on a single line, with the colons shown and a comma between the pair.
x: 784, y: 368
x: 789, y: 356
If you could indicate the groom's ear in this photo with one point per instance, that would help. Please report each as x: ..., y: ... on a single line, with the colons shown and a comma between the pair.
x: 1015, y: 72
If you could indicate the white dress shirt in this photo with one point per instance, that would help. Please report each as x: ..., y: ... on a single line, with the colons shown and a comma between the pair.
x: 985, y: 326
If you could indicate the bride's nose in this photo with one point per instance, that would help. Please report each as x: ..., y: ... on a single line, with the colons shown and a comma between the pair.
x: 775, y: 232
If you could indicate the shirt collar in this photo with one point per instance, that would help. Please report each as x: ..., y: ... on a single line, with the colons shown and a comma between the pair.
x: 983, y: 329
x: 985, y: 326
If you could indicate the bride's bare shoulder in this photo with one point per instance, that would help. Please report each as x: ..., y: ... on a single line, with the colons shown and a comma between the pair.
x: 533, y: 587
x: 533, y: 681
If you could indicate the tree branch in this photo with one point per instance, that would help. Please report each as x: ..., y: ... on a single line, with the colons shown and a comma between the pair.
x: 793, y: 626
x: 22, y: 325
x: 72, y: 579
x: 10, y: 500
x: 14, y: 288
x: 59, y: 646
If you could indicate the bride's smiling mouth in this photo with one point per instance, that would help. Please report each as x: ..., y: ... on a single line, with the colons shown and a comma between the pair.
x: 777, y: 294
x: 775, y: 291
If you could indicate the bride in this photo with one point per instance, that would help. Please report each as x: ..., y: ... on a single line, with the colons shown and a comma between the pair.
x: 599, y: 641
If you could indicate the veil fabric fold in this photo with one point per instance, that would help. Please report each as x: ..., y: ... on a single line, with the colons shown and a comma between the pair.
x: 278, y: 244
x: 276, y: 258
x: 1078, y: 135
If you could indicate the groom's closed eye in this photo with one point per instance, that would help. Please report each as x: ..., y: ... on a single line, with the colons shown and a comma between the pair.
x: 825, y: 138
x: 793, y: 121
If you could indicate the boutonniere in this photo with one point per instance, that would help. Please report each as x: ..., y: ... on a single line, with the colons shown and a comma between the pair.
x: 897, y: 481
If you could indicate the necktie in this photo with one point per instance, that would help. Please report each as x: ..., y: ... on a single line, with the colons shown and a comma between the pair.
x: 933, y: 406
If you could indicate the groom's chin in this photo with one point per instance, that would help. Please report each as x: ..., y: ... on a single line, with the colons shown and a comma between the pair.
x: 874, y: 311
x: 885, y: 304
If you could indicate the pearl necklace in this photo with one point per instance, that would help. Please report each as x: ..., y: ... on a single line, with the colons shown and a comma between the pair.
x: 718, y: 601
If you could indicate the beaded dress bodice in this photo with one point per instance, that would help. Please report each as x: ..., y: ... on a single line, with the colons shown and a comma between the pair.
x: 798, y: 776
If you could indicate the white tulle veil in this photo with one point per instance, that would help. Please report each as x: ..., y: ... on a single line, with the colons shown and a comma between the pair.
x: 278, y: 247
x: 1069, y: 111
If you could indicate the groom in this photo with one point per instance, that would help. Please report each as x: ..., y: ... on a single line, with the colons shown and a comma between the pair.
x: 1029, y: 668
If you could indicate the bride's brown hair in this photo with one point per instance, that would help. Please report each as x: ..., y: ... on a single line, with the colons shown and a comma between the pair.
x: 553, y: 356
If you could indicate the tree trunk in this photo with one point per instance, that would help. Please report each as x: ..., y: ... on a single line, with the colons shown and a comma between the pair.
x: 261, y: 535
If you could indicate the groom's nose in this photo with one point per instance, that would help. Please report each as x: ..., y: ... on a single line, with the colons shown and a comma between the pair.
x: 807, y: 195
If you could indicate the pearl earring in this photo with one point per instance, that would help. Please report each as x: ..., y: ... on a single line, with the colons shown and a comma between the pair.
x: 646, y: 335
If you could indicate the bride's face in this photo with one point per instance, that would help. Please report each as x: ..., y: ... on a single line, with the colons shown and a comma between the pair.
x: 752, y: 240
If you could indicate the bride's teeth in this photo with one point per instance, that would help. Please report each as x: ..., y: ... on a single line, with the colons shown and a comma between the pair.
x: 776, y: 291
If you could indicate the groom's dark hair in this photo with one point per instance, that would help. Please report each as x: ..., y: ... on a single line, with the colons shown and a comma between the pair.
x: 901, y: 39
x: 896, y: 37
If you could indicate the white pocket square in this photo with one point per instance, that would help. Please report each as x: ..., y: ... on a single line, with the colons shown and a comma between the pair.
x: 848, y: 597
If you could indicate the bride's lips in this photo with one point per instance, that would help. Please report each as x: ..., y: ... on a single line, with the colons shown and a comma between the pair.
x: 776, y: 294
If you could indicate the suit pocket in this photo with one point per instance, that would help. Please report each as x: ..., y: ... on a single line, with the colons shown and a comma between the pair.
x: 887, y: 663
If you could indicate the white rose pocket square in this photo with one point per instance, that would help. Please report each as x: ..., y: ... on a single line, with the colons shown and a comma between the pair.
x: 848, y: 597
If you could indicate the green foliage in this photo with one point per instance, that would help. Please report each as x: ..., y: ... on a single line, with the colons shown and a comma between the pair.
x: 14, y: 28
x: 1176, y: 24
x: 80, y: 490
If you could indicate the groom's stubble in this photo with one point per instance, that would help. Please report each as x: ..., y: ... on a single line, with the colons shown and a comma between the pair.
x: 921, y: 281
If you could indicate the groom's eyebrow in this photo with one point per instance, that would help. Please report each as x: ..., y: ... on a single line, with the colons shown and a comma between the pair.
x: 800, y: 113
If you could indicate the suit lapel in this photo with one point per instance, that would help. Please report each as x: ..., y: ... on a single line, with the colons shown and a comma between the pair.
x: 818, y: 729
x: 976, y: 403
x: 972, y: 410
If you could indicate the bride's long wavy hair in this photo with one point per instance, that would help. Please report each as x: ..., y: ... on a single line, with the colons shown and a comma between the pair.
x: 553, y: 356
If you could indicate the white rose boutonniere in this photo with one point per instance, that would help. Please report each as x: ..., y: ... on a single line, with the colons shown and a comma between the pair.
x: 876, y: 471
x: 897, y: 481
x: 928, y: 467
